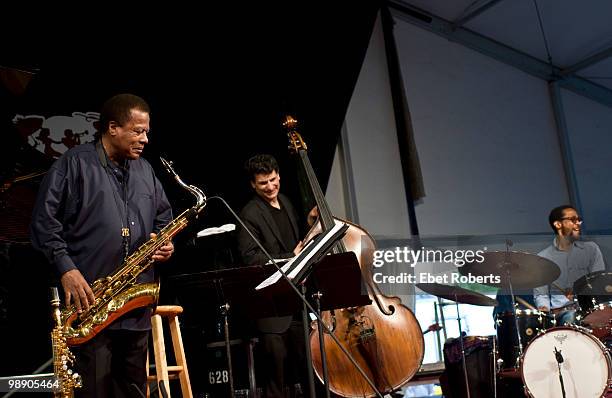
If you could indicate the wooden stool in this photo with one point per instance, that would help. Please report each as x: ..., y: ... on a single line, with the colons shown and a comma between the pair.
x: 163, y: 371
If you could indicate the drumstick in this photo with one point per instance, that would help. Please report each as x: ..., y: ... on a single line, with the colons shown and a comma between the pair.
x: 525, y: 303
x: 566, y: 292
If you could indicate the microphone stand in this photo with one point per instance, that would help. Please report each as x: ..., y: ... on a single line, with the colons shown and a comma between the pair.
x: 507, y: 264
x: 465, y: 375
x: 306, y: 303
x: 559, y: 359
x: 305, y: 321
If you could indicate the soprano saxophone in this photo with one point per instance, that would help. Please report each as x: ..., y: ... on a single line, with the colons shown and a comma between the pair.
x: 117, y: 294
x: 65, y: 379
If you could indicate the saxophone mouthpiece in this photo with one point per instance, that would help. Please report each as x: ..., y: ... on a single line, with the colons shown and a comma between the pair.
x: 197, y: 192
x: 168, y: 165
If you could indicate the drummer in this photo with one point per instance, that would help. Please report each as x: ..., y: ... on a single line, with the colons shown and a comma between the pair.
x: 575, y: 259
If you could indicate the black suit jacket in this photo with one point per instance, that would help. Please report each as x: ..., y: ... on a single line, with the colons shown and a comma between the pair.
x: 257, y: 218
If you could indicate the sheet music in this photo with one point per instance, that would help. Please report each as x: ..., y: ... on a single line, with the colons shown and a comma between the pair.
x: 216, y: 230
x: 272, y: 279
x: 297, y: 263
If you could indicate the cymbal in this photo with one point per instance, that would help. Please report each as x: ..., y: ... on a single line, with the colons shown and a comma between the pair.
x: 524, y: 270
x: 456, y: 293
x: 597, y: 283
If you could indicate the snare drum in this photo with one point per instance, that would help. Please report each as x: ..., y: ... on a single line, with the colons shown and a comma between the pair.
x: 530, y: 323
x: 586, y: 366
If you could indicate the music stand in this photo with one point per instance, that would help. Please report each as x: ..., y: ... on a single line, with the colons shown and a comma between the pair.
x: 323, y: 280
x: 233, y: 290
x: 325, y: 275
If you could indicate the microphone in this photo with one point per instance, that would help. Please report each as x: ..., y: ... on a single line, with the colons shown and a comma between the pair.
x: 558, y: 356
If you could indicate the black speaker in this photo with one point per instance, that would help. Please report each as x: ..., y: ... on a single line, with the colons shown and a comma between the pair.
x: 216, y: 371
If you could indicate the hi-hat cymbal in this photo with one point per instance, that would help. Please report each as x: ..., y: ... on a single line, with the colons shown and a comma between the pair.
x: 524, y: 270
x: 456, y: 293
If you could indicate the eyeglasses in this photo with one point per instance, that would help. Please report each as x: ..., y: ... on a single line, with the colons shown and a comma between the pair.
x: 575, y: 220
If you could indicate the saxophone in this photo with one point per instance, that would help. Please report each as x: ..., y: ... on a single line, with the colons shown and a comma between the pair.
x: 117, y: 294
x: 65, y: 380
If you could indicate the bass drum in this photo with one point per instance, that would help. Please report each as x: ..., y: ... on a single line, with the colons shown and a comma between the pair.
x: 586, y: 368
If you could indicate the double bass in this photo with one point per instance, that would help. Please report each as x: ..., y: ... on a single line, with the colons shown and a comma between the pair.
x: 384, y: 337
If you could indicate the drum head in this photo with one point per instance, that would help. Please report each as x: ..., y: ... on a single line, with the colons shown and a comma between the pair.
x: 586, y: 368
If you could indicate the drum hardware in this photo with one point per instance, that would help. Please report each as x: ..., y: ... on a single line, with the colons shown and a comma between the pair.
x: 459, y: 295
x: 496, y: 364
x: 515, y: 270
x: 443, y: 328
x: 465, y: 376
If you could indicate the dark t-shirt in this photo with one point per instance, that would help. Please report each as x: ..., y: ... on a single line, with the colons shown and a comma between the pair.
x: 281, y: 218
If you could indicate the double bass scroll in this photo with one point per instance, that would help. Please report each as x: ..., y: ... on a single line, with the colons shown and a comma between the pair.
x: 384, y: 337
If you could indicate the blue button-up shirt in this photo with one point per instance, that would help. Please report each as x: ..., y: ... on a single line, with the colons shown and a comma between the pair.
x: 582, y: 258
x: 81, y: 209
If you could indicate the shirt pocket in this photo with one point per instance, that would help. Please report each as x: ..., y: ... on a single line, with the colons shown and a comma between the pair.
x: 144, y: 203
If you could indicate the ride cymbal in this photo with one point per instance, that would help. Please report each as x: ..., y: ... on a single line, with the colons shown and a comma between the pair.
x: 456, y: 293
x: 524, y: 270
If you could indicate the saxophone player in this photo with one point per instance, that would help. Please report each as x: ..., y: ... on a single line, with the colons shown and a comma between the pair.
x: 98, y: 203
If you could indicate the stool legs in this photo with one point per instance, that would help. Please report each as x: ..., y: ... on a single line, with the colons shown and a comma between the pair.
x: 164, y: 372
x: 179, y: 354
x: 159, y: 349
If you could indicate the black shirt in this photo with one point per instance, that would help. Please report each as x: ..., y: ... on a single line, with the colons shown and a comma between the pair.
x: 281, y: 218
